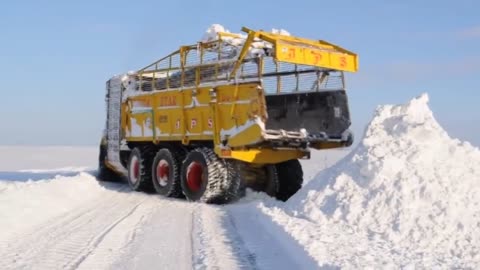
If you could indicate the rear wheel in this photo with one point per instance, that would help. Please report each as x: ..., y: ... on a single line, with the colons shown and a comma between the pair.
x: 280, y: 180
x: 290, y: 178
x: 207, y: 178
x: 139, y: 169
x: 166, y: 173
x: 259, y: 178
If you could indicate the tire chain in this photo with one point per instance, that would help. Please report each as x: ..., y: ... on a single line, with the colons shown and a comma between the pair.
x: 178, y: 157
x: 147, y: 155
x: 223, y: 181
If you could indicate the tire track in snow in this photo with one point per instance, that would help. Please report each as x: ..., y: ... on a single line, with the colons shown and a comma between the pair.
x: 215, y: 242
x: 163, y: 241
x: 99, y: 238
x: 116, y: 242
x: 42, y: 231
x: 61, y: 241
x: 265, y: 243
x: 241, y: 237
x: 239, y: 245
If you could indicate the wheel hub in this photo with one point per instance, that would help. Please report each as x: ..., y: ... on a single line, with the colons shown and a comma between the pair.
x: 135, y: 170
x: 194, y: 176
x: 163, y: 172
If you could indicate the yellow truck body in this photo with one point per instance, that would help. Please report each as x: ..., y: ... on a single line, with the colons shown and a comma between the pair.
x: 255, y: 100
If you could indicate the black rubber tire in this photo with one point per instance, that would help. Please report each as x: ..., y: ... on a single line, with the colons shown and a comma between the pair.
x: 237, y: 188
x: 220, y: 183
x: 290, y: 178
x: 104, y: 173
x: 174, y: 160
x: 145, y: 157
x: 272, y: 185
x: 257, y: 178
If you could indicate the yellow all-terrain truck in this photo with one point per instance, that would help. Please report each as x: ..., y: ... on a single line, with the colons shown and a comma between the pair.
x: 234, y: 111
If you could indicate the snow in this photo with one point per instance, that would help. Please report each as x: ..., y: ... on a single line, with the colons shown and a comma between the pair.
x: 136, y: 128
x: 29, y: 202
x: 405, y: 197
x: 129, y: 82
x: 232, y: 132
x: 212, y: 33
x: 67, y: 219
x: 257, y: 48
x: 231, y: 48
x: 280, y: 32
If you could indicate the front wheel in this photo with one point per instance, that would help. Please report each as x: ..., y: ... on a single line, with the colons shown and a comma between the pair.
x: 139, y: 168
x: 104, y: 173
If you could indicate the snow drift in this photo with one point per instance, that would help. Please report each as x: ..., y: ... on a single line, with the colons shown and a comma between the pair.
x: 407, y: 195
x: 23, y: 203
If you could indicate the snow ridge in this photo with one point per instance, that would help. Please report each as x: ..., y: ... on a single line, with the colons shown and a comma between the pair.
x: 407, y: 185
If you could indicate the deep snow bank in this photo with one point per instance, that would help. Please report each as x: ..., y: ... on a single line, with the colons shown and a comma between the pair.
x: 408, y: 194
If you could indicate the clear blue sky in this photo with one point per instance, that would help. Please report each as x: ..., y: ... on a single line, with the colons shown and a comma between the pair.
x: 55, y: 56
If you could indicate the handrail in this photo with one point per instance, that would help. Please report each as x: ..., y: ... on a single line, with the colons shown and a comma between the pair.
x: 211, y: 61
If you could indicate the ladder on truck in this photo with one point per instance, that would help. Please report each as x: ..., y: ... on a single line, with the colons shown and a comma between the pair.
x: 114, y: 99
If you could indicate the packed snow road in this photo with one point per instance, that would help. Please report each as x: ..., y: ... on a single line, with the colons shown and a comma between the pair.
x: 75, y: 222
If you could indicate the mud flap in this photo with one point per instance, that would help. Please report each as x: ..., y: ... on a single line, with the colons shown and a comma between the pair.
x: 319, y: 113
